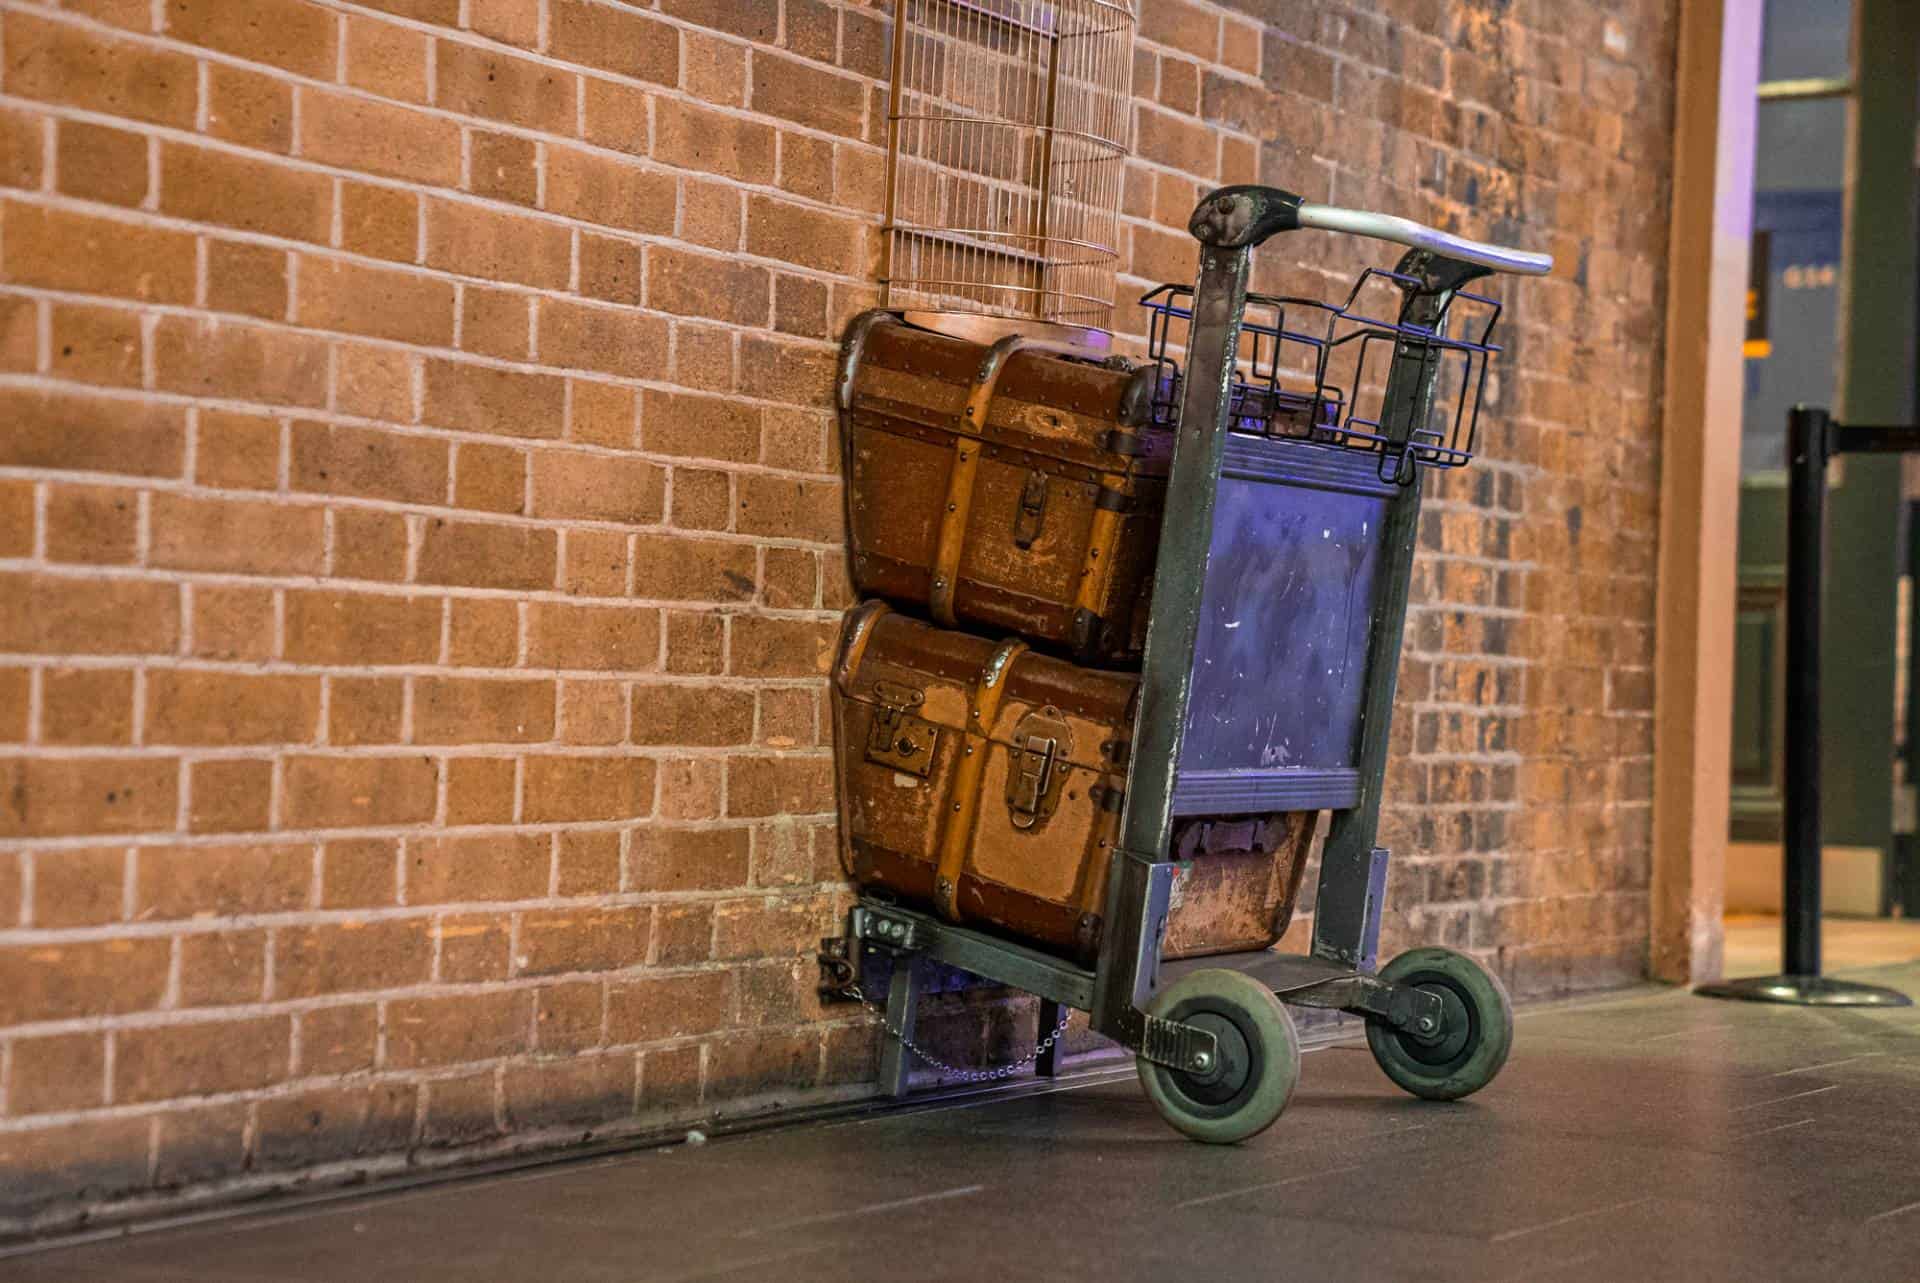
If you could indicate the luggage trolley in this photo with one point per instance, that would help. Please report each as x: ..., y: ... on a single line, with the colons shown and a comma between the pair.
x: 1264, y: 688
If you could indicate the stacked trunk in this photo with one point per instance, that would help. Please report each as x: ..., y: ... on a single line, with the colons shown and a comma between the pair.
x: 1003, y: 511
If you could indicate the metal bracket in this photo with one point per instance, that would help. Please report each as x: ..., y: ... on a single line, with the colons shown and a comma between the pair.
x: 1031, y: 516
x: 1177, y: 1046
x: 838, y: 974
x: 1414, y: 1011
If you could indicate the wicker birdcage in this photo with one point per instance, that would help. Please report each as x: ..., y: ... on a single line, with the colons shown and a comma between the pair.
x: 1007, y: 134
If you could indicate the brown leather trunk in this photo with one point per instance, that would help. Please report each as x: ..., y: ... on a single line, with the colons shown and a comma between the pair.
x: 1006, y: 487
x: 985, y: 781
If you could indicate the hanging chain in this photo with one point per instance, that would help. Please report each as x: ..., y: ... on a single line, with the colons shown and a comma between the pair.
x: 961, y: 1071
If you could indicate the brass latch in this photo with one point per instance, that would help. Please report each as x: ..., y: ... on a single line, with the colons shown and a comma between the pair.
x: 1034, y: 776
x: 897, y: 738
x: 1033, y: 510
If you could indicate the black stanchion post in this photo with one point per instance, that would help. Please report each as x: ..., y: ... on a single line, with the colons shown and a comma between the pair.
x: 1811, y: 440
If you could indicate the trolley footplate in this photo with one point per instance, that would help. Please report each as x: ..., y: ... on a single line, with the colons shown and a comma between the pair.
x: 1301, y: 980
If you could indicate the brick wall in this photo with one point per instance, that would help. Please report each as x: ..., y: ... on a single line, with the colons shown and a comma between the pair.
x: 419, y: 541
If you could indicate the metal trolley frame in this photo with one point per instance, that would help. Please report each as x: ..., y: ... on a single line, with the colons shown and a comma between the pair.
x: 1378, y: 478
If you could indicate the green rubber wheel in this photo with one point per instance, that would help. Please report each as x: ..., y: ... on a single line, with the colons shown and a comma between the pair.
x: 1476, y: 1026
x: 1253, y: 1076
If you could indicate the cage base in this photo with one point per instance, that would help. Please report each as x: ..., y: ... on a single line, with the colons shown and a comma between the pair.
x: 979, y: 327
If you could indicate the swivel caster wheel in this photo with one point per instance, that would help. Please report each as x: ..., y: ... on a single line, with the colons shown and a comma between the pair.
x: 1252, y: 1077
x: 1475, y: 1034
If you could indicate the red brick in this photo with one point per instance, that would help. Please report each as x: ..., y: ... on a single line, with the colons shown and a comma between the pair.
x: 248, y: 279
x: 682, y: 934
x: 387, y: 59
x: 782, y: 371
x: 699, y: 285
x: 374, y: 382
x: 656, y: 1008
x: 597, y: 487
x: 748, y: 19
x: 249, y: 108
x: 568, y: 1017
x: 610, y: 340
x: 223, y: 969
x: 694, y: 137
x: 232, y: 622
x: 691, y: 789
x: 559, y: 941
x: 325, y: 1123
x: 478, y: 398
x: 222, y: 881
x: 381, y: 222
x: 93, y: 434
x: 504, y: 166
x: 580, y: 1091
x: 74, y: 979
x: 593, y: 712
x: 79, y: 888
x: 462, y: 870
x: 293, y: 35
x: 675, y: 568
x: 589, y: 862
x: 821, y: 239
x: 19, y: 335
x: 359, y: 873
x: 810, y: 96
x: 355, y: 299
x: 23, y: 149
x: 806, y: 166
x: 479, y: 790
x: 361, y: 628
x: 364, y: 710
x: 711, y: 214
x: 601, y: 414
x: 169, y: 1061
x: 716, y: 70
x: 98, y: 525
x: 461, y: 1110
x: 242, y: 536
x: 487, y: 556
x: 78, y: 67
x: 422, y: 1032
x: 703, y: 358
x: 98, y: 163
x: 613, y: 193
x: 45, y: 797
x: 58, y: 250
x: 588, y: 788
x: 696, y: 642
x: 681, y: 859
x: 610, y: 269
x: 86, y: 706
x: 253, y: 194
x: 766, y: 646
x: 498, y: 245
x: 215, y: 358
x: 496, y: 323
x: 337, y: 1040
x: 615, y: 116
x: 331, y: 458
x: 228, y: 796
x: 458, y: 710
x: 350, y: 792
x: 608, y: 638
x: 369, y: 545
x: 59, y: 1074
x: 51, y: 615
x: 350, y: 957
x: 476, y: 81
x: 595, y: 563
x: 475, y: 948
x: 509, y: 21
x: 379, y: 138
x: 188, y: 706
x: 96, y: 345
x: 484, y: 634
x: 771, y: 927
x: 616, y: 40
x: 701, y: 426
x: 491, y: 478
x: 759, y: 786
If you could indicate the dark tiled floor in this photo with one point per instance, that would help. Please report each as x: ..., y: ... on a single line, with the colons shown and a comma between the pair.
x: 1654, y: 1136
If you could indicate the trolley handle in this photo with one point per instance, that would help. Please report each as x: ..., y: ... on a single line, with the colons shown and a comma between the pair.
x: 1244, y: 216
x: 1404, y: 231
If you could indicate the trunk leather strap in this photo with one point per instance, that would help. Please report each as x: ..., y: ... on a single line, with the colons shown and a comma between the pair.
x: 966, y: 462
x: 956, y: 835
x: 1097, y: 570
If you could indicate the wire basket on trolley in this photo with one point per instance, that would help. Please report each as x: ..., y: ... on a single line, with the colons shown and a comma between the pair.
x: 1318, y: 371
x: 1007, y: 133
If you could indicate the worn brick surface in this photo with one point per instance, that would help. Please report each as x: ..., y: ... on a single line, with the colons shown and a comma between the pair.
x: 421, y: 537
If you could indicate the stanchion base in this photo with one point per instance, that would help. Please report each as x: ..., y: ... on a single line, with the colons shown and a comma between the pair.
x: 1805, y: 991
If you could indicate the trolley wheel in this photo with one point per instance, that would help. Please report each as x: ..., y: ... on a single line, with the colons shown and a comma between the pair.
x: 1476, y: 1027
x: 1256, y: 1069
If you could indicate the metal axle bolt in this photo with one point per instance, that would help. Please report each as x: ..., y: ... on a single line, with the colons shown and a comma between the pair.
x: 1202, y: 1061
x: 1426, y: 1024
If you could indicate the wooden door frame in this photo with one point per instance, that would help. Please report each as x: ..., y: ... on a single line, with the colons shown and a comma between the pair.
x: 1716, y: 76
